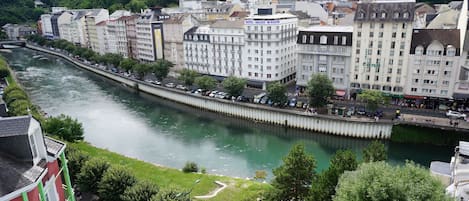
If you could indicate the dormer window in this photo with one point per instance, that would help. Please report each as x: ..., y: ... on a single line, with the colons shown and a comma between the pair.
x: 304, y: 39
x: 419, y: 50
x: 373, y: 15
x: 450, y: 51
x: 323, y: 40
x: 396, y: 15
x: 361, y: 15
x: 33, y: 146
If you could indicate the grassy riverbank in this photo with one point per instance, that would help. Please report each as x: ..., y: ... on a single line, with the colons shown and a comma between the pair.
x: 238, y: 189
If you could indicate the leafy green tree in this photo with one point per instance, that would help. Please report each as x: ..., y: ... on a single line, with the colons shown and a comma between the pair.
x: 15, y: 95
x: 91, y: 174
x: 188, y: 76
x: 375, y: 152
x: 294, y: 177
x: 161, y: 68
x: 172, y: 194
x: 114, y: 7
x: 277, y: 93
x: 319, y: 89
x: 234, y: 85
x: 381, y: 181
x: 19, y: 108
x: 142, y: 70
x: 324, y: 187
x: 190, y: 167
x: 116, y: 180
x: 141, y: 191
x: 64, y: 127
x: 4, y: 72
x: 136, y: 5
x: 3, y: 35
x: 206, y: 82
x: 127, y: 64
x: 372, y: 98
x: 112, y: 59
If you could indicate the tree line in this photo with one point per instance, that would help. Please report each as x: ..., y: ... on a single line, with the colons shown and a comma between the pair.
x: 348, y: 180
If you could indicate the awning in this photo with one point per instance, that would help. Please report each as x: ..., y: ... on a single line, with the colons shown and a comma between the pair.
x: 414, y: 97
x: 340, y: 92
x: 460, y: 96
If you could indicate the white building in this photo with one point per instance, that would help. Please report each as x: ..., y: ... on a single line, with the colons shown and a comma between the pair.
x: 149, y: 29
x: 434, y: 56
x: 326, y: 50
x: 196, y: 49
x: 381, y: 42
x: 101, y: 32
x: 47, y: 25
x: 173, y: 32
x: 72, y: 24
x: 270, y: 44
x: 116, y: 32
x: 227, y: 42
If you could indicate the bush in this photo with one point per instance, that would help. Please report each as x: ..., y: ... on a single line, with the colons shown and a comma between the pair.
x: 19, y: 107
x: 15, y: 95
x: 171, y: 194
x: 76, y: 160
x: 142, y: 191
x: 64, y: 127
x: 91, y: 174
x: 115, y: 182
x: 4, y: 72
x: 190, y: 167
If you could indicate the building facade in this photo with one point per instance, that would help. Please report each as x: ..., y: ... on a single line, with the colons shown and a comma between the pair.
x: 325, y: 50
x: 101, y: 32
x: 196, y: 49
x: 270, y: 44
x: 174, y: 30
x: 149, y: 29
x: 381, y: 41
x: 131, y: 35
x: 46, y: 22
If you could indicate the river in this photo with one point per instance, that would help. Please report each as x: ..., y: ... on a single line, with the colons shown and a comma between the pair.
x: 166, y: 133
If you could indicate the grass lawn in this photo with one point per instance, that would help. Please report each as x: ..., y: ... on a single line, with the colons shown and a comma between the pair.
x: 237, y: 190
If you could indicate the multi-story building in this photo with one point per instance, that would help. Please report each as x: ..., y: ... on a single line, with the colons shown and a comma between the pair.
x: 270, y: 44
x: 91, y: 33
x: 46, y: 26
x: 173, y: 32
x: 461, y: 86
x: 220, y: 11
x: 131, y: 35
x: 33, y: 167
x: 196, y: 49
x: 326, y: 50
x: 72, y: 24
x: 116, y: 31
x: 55, y: 25
x: 101, y: 32
x: 434, y: 56
x: 149, y: 29
x: 17, y: 31
x: 381, y: 41
x: 226, y: 52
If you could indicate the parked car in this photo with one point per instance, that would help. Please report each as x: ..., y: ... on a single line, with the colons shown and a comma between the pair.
x: 292, y: 102
x: 299, y: 104
x: 361, y: 111
x: 264, y: 100
x: 181, y: 87
x: 454, y: 114
x: 242, y: 99
x: 213, y: 93
x: 257, y: 98
x: 170, y: 85
x: 156, y: 82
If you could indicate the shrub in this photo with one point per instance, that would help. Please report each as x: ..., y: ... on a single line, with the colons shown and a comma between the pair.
x: 4, y: 72
x: 171, y: 194
x: 115, y: 182
x: 190, y: 167
x: 19, y: 107
x: 15, y: 95
x: 142, y: 191
x: 64, y: 127
x: 76, y: 160
x: 91, y: 174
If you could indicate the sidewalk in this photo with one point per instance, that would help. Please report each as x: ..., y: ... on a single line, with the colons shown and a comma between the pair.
x: 434, y: 121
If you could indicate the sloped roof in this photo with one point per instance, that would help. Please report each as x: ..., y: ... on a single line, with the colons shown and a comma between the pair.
x: 14, y: 126
x: 235, y: 24
x: 53, y: 147
x: 425, y: 37
x: 15, y: 174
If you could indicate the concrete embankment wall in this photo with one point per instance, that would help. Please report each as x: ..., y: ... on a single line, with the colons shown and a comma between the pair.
x: 319, y: 123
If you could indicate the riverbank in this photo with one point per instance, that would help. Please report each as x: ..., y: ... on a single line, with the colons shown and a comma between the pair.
x: 237, y: 189
x: 358, y: 128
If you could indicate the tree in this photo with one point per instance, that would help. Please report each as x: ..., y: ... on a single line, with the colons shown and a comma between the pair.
x: 206, y: 82
x: 91, y: 174
x: 136, y: 5
x: 161, y: 68
x: 381, y: 181
x: 294, y: 177
x: 142, y: 70
x: 319, y: 89
x: 64, y: 127
x: 127, y: 64
x: 372, y: 98
x: 324, y: 187
x: 172, y: 194
x: 188, y: 76
x: 142, y: 191
x: 374, y: 152
x: 277, y: 93
x: 4, y: 72
x: 234, y: 85
x: 112, y: 59
x: 116, y: 180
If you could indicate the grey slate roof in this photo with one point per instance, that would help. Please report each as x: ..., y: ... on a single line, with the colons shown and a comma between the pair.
x: 14, y: 126
x: 53, y: 146
x: 15, y: 174
x: 425, y: 37
x: 367, y: 9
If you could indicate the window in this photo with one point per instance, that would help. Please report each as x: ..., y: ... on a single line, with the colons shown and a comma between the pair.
x: 304, y: 39
x: 393, y: 34
x: 449, y: 64
x: 371, y: 34
x: 380, y: 34
x: 413, y: 89
x: 373, y: 15
x: 396, y: 15
x: 388, y: 79
x: 372, y: 25
x: 359, y: 34
x: 405, y: 15
x: 451, y: 51
x: 33, y: 146
x: 336, y: 40
x: 361, y: 15
x: 419, y: 50
x: 402, y: 35
x: 393, y: 45
x: 311, y: 39
x: 381, y: 26
x: 359, y: 25
x: 344, y: 40
x: 323, y: 40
